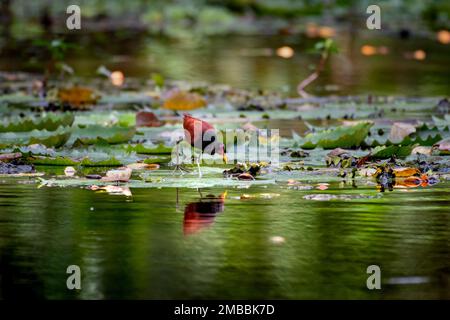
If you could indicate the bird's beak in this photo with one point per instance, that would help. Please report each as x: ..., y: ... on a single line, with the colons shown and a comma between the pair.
x: 225, y: 158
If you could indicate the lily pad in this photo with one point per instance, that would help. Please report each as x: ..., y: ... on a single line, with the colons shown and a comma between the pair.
x: 66, y: 161
x: 96, y: 134
x: 49, y: 122
x: 48, y: 138
x: 161, y: 182
x: 386, y: 152
x: 150, y: 149
x: 340, y: 137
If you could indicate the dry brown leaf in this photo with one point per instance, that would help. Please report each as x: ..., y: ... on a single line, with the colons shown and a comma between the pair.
x: 147, y: 119
x: 137, y: 166
x: 336, y: 152
x: 77, y: 96
x: 143, y: 166
x: 122, y: 174
x: 182, y: 100
x: 249, y: 127
x: 443, y: 145
x: 10, y: 156
x: 406, y: 172
x: 421, y: 150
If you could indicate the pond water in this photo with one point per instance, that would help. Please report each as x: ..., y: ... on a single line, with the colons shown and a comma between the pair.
x: 145, y: 246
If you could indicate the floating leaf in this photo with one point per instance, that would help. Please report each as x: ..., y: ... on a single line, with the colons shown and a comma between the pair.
x: 442, y: 122
x: 144, y: 149
x: 66, y: 161
x: 112, y: 162
x: 50, y: 122
x: 77, y: 96
x: 147, y: 119
x: 50, y: 139
x: 443, y: 147
x: 50, y: 161
x: 340, y: 137
x: 4, y: 157
x: 386, y: 152
x: 182, y: 100
x: 96, y: 134
x: 121, y: 175
x: 400, y: 130
x: 161, y: 182
x: 406, y: 172
x: 143, y: 166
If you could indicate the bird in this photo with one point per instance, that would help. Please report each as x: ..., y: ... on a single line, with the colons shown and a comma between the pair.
x: 208, y: 144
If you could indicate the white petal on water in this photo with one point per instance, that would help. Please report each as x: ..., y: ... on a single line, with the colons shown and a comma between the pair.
x: 408, y: 280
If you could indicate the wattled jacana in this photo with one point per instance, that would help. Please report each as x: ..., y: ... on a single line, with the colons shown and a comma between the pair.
x: 201, y: 134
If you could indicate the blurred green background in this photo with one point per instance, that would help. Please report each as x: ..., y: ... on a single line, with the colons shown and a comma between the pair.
x: 236, y: 42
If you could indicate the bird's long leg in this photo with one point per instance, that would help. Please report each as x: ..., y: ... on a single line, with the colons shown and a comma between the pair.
x: 200, y: 193
x: 178, y: 159
x: 178, y: 165
x: 197, y: 160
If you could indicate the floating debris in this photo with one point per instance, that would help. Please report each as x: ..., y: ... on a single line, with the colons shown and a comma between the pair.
x: 69, y: 171
x: 408, y: 280
x: 345, y: 197
x: 147, y: 119
x: 285, y: 52
x: 122, y: 174
x: 277, y: 240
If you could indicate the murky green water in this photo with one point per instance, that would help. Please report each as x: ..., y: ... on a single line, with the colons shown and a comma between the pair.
x: 252, y: 62
x: 145, y: 246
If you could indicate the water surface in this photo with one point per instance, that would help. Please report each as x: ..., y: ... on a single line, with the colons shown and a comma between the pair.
x: 145, y: 246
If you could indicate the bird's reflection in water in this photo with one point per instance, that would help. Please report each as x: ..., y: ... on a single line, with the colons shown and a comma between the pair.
x: 201, y: 214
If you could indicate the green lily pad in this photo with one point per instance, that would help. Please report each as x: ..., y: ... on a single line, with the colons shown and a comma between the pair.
x: 145, y: 149
x: 66, y: 161
x: 97, y: 134
x: 160, y: 182
x: 55, y: 139
x: 340, y: 137
x: 386, y: 152
x: 50, y: 122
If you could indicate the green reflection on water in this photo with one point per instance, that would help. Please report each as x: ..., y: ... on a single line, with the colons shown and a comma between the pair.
x: 251, y: 62
x: 138, y: 247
